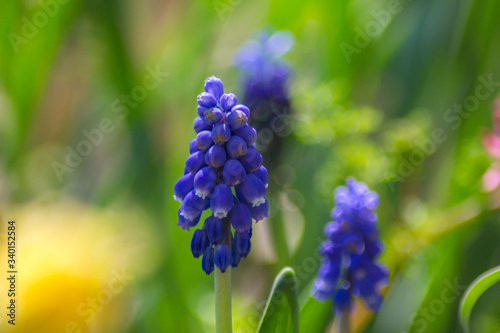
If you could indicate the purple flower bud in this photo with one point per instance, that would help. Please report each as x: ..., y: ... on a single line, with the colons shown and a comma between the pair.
x: 242, y: 108
x: 204, y: 182
x: 330, y: 270
x: 353, y: 243
x: 325, y: 285
x: 183, y: 186
x: 199, y: 125
x: 221, y: 202
x: 221, y: 134
x: 242, y: 243
x: 262, y: 174
x: 215, y: 156
x: 342, y: 300
x: 228, y: 101
x: 200, y: 110
x: 207, y: 262
x: 265, y: 75
x: 373, y: 249
x: 236, y: 119
x: 193, y: 148
x: 195, y: 201
x: 214, y: 86
x: 333, y: 232
x: 222, y: 257
x: 369, y: 231
x: 248, y: 134
x: 214, y: 228
x: 260, y: 212
x: 199, y: 243
x: 253, y: 191
x: 204, y: 140
x: 195, y: 162
x: 186, y: 224
x: 371, y: 201
x: 241, y: 219
x: 235, y: 257
x: 206, y: 100
x: 330, y: 251
x: 252, y: 160
x: 236, y: 147
x: 192, y: 206
x: 234, y: 173
x: 212, y: 116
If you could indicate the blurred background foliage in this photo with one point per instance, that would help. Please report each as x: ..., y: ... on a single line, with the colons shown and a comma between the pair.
x: 362, y: 115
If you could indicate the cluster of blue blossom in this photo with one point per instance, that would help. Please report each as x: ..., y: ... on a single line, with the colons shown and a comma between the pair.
x: 264, y: 73
x: 224, y: 173
x: 352, y: 247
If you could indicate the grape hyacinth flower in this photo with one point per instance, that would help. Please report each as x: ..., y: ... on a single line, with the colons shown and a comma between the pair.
x: 265, y: 80
x: 223, y: 173
x: 491, y: 142
x: 264, y: 73
x: 349, y: 267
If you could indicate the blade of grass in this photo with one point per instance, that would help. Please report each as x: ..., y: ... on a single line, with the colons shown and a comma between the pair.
x: 472, y: 294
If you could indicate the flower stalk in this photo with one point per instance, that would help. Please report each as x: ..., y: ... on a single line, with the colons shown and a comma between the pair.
x: 223, y: 317
x: 344, y: 324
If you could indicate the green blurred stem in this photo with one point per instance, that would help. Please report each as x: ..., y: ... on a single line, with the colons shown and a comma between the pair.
x: 223, y: 320
x: 344, y: 325
x: 279, y: 235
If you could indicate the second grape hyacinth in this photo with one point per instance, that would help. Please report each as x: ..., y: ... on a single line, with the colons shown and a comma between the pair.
x: 350, y: 253
x: 223, y: 173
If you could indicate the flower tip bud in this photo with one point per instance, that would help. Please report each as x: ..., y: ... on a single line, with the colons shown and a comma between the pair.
x: 206, y: 100
x: 214, y: 86
x: 228, y: 101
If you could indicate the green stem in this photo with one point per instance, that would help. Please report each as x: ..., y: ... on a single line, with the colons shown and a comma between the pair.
x: 344, y: 325
x: 223, y: 320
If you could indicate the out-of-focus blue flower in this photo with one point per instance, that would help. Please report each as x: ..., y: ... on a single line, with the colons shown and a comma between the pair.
x: 265, y: 78
x: 222, y: 157
x: 349, y: 266
x: 264, y: 73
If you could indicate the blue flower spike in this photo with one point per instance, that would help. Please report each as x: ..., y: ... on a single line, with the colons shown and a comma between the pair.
x: 264, y: 73
x: 222, y: 161
x: 349, y: 267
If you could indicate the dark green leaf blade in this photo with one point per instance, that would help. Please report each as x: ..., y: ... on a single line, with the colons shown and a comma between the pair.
x: 282, y: 309
x: 314, y: 316
x: 472, y: 294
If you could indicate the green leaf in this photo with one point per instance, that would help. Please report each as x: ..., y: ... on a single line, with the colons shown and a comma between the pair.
x: 314, y: 316
x: 472, y: 294
x: 282, y: 309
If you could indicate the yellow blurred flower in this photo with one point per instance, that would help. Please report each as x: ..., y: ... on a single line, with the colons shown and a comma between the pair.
x: 77, y: 267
